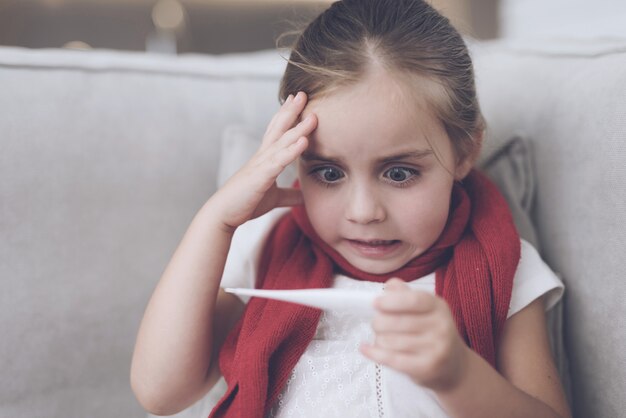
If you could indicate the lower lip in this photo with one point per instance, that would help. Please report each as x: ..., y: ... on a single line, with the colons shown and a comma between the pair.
x: 374, y: 251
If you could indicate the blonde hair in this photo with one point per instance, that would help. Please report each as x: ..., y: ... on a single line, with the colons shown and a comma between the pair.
x: 408, y: 38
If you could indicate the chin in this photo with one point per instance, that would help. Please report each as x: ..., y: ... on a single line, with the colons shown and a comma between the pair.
x: 375, y: 267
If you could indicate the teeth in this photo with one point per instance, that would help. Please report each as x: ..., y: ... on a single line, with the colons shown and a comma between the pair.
x: 377, y: 242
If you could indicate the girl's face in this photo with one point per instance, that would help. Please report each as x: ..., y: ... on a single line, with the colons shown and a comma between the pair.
x: 377, y: 175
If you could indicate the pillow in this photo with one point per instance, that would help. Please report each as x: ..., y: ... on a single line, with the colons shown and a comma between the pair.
x: 510, y: 168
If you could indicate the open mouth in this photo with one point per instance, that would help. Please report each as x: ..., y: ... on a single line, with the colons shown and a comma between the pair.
x: 374, y: 248
x: 375, y: 242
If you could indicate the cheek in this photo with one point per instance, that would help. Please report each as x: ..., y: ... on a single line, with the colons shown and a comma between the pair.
x: 425, y: 220
x: 319, y: 202
x: 312, y: 202
x: 428, y: 214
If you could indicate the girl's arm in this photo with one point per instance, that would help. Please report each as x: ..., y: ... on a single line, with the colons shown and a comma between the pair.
x: 187, y: 317
x: 415, y: 334
x: 529, y: 384
x: 175, y: 342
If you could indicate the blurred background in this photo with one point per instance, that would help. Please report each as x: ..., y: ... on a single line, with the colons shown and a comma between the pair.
x: 180, y: 26
x: 221, y: 26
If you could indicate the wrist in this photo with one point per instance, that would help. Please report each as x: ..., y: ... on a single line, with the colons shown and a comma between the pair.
x: 458, y: 374
x: 215, y: 216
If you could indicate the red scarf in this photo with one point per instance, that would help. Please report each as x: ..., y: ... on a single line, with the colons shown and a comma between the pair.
x: 475, y: 259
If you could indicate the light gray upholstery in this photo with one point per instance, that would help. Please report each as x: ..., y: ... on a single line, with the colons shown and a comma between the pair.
x: 569, y: 100
x: 105, y: 157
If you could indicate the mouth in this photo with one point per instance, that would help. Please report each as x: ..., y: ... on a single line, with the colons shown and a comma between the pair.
x: 373, y: 242
x: 375, y: 248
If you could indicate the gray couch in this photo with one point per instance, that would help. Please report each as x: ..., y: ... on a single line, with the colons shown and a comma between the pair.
x: 106, y: 156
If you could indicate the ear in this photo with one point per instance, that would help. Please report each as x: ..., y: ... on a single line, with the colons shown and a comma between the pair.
x: 465, y: 165
x: 463, y: 168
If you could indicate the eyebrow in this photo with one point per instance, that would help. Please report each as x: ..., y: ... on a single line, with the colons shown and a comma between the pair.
x: 409, y: 155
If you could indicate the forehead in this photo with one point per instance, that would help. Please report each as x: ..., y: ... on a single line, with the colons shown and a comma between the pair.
x: 378, y: 113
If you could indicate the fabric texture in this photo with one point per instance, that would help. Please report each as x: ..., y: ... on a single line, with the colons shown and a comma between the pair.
x: 475, y: 259
x: 577, y: 126
x: 105, y: 157
x: 511, y: 167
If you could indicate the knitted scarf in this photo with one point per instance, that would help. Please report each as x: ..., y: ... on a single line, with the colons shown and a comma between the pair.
x: 474, y: 258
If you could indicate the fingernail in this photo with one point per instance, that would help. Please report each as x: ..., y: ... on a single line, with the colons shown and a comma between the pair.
x: 299, y: 97
x: 289, y: 98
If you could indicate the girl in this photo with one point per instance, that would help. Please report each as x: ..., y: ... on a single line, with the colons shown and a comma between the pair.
x: 380, y: 113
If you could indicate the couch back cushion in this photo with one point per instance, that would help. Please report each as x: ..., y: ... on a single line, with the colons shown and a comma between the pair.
x: 104, y: 159
x: 569, y: 99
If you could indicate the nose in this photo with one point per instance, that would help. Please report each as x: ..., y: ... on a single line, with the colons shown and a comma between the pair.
x: 363, y: 205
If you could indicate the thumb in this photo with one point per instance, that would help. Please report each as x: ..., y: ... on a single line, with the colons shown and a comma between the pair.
x: 289, y: 197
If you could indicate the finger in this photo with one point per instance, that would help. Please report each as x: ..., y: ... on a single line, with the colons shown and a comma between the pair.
x: 303, y: 128
x: 289, y: 197
x: 400, y: 361
x: 285, y: 118
x: 383, y: 323
x: 405, y: 299
x: 407, y: 343
x: 288, y: 139
x: 272, y: 122
x: 285, y: 151
x: 277, y: 159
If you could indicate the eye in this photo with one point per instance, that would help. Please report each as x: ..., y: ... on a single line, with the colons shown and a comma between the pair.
x: 400, y: 174
x: 328, y: 174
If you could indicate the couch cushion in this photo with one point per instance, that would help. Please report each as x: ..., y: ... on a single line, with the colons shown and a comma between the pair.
x: 105, y: 157
x: 569, y: 99
x: 562, y: 19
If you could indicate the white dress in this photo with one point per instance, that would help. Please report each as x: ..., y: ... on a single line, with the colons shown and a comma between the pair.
x: 332, y: 378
